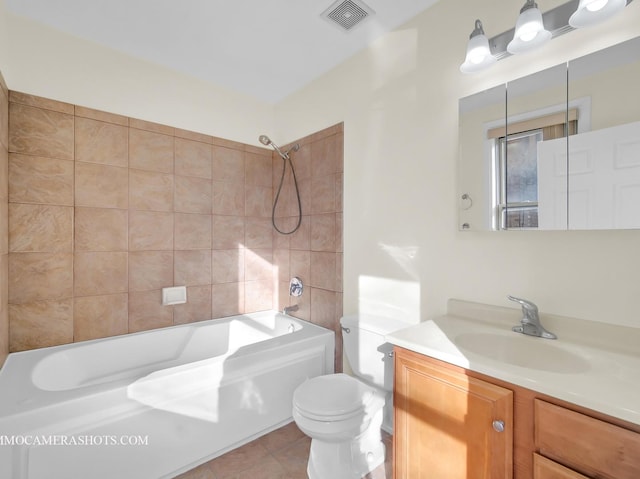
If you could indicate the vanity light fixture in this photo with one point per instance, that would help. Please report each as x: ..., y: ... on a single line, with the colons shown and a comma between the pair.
x: 479, y: 54
x: 534, y: 28
x: 530, y: 32
x: 592, y: 12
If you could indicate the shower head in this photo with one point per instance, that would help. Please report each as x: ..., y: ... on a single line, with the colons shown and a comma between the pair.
x: 266, y: 141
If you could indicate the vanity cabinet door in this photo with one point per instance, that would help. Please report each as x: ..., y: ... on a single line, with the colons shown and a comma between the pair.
x: 449, y: 425
x: 544, y: 468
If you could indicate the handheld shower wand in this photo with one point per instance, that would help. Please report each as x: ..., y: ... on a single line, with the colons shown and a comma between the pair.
x: 266, y: 141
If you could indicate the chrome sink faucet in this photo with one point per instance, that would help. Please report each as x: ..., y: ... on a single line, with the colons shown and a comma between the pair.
x: 530, y: 322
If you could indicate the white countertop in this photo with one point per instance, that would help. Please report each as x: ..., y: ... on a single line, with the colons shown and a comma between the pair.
x: 594, y: 365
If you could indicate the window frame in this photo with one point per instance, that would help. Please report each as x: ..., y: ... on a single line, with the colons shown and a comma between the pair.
x: 582, y: 108
x: 502, y: 205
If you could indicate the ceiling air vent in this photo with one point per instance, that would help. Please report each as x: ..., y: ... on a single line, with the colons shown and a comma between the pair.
x: 347, y: 13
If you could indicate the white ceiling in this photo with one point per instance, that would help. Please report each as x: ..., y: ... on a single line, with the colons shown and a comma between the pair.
x: 264, y: 48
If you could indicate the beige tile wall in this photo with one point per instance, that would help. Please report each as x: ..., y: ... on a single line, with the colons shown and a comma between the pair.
x: 106, y: 210
x: 4, y: 221
x: 314, y: 252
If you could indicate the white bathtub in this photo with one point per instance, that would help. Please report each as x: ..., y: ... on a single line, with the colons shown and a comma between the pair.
x: 157, y: 403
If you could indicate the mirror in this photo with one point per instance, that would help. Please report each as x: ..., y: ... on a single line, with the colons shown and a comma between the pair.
x: 556, y: 150
x: 479, y: 114
x: 532, y: 192
x: 604, y: 160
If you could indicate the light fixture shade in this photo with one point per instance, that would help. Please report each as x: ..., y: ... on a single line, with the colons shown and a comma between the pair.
x: 479, y: 54
x: 591, y: 12
x: 529, y: 32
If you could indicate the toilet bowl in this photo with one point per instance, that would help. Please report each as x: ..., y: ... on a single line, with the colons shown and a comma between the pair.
x: 342, y: 414
x: 343, y: 417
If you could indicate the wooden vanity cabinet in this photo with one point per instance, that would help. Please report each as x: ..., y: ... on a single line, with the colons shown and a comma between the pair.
x: 444, y: 418
x: 544, y: 468
x: 584, y: 444
x: 449, y: 425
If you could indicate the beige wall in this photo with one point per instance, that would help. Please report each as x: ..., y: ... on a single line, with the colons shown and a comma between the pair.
x: 45, y: 62
x: 403, y: 251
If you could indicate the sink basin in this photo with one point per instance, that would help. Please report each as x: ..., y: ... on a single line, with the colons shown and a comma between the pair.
x: 524, y: 351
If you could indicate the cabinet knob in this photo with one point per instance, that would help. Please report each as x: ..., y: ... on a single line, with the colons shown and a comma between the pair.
x: 498, y: 426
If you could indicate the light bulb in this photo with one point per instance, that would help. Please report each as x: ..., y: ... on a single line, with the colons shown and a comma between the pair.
x: 478, y: 55
x: 592, y: 12
x: 529, y: 32
x: 597, y: 5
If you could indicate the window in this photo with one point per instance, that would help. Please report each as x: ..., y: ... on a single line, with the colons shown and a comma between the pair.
x: 516, y: 167
x: 518, y: 180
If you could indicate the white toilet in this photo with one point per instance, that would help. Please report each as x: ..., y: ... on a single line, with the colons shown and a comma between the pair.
x: 343, y: 414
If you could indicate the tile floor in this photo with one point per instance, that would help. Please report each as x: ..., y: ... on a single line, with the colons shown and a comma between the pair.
x: 281, y: 454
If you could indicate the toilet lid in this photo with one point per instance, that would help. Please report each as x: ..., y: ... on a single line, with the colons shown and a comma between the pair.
x: 332, y: 397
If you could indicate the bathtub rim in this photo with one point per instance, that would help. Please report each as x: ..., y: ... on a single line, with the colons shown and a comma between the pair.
x: 19, y: 400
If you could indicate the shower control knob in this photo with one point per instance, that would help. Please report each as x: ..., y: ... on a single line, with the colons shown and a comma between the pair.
x: 498, y: 426
x: 295, y: 287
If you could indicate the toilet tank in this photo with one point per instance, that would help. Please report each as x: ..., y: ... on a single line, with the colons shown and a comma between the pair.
x: 366, y: 349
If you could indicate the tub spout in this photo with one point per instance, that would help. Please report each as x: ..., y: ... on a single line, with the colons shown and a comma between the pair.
x: 290, y: 309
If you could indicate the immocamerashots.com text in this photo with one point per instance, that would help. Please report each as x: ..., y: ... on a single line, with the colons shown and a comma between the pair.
x: 73, y: 440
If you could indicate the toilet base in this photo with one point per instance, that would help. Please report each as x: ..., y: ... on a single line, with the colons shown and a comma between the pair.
x: 352, y: 459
